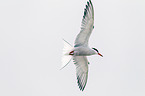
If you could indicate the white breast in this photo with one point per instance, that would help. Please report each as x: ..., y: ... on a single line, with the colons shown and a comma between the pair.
x: 83, y: 51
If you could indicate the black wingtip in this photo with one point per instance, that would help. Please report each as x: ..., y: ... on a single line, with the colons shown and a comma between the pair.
x: 88, y: 3
x: 91, y: 2
x: 81, y: 87
x: 80, y: 84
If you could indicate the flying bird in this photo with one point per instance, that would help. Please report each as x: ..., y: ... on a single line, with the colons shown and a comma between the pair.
x: 81, y: 50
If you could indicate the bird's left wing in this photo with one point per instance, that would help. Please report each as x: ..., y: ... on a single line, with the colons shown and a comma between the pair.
x: 86, y: 26
x: 81, y: 63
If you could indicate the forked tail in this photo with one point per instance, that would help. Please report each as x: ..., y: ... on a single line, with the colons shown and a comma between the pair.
x: 66, y: 58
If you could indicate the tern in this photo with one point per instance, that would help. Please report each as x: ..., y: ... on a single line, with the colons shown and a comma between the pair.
x: 80, y: 50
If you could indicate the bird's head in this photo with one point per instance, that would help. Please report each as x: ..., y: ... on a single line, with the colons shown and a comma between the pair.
x: 97, y: 52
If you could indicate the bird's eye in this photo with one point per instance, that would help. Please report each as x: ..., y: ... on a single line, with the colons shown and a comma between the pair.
x: 95, y: 49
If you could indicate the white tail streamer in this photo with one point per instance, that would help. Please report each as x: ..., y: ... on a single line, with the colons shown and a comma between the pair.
x: 66, y: 58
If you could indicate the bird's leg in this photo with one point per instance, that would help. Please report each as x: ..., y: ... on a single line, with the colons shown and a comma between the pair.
x: 71, y: 53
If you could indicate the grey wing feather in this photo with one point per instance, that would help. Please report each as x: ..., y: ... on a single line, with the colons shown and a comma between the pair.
x: 81, y: 63
x: 86, y: 26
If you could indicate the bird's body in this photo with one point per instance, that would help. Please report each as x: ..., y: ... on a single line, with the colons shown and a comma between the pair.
x: 80, y: 50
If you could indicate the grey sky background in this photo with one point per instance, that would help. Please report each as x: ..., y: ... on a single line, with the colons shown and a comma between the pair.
x: 31, y: 33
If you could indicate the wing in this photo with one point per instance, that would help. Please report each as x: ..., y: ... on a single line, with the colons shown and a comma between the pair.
x: 86, y: 26
x: 81, y: 63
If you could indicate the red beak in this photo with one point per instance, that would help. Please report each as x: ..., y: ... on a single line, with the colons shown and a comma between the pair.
x: 100, y: 54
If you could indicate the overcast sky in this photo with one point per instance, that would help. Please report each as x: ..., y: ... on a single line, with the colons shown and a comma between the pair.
x: 31, y: 33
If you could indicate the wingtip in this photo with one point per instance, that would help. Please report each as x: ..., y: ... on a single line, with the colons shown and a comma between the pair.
x: 90, y: 1
x: 81, y: 87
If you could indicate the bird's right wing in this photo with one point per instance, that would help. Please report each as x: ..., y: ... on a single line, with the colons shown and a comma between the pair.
x: 81, y: 63
x: 86, y: 26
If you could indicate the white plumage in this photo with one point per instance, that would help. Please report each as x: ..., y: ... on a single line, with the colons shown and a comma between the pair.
x: 81, y: 48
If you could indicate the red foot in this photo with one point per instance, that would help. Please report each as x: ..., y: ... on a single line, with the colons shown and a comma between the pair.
x: 71, y: 53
